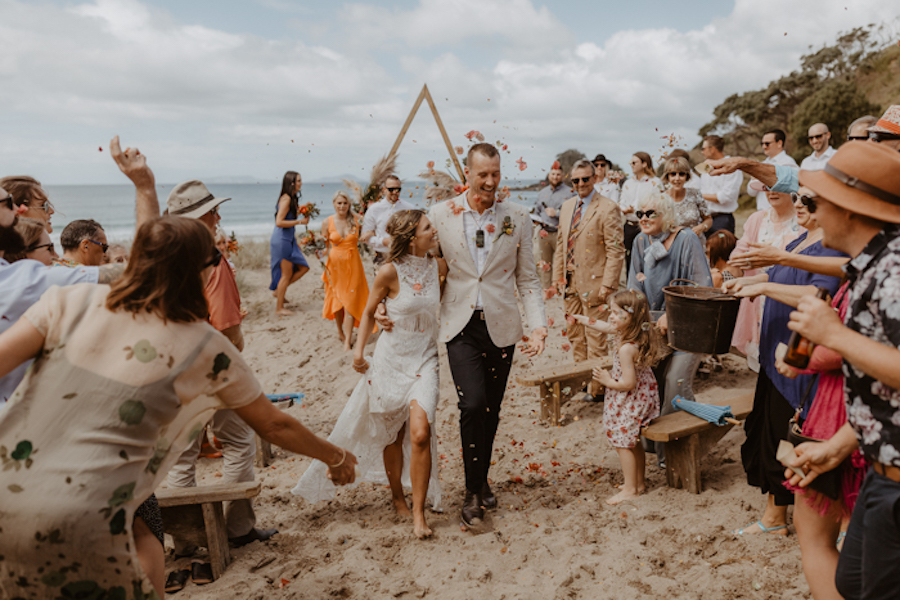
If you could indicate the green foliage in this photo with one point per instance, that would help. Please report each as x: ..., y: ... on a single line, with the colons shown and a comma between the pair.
x: 823, y: 89
x: 837, y: 103
x: 568, y: 158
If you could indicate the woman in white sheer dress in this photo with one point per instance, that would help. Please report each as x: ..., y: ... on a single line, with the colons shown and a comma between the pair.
x: 388, y: 422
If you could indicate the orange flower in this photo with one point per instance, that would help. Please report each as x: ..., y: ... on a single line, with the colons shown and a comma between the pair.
x: 430, y: 164
x: 490, y: 228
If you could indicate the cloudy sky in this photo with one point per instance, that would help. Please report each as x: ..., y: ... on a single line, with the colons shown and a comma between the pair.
x: 253, y: 88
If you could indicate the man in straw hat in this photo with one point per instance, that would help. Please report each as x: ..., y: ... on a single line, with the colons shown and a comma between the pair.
x: 857, y: 203
x: 193, y: 200
x: 546, y: 216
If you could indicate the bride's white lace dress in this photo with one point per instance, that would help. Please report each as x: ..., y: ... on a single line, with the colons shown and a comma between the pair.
x: 403, y: 369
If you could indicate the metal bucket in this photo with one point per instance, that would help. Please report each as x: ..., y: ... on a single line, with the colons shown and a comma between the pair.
x: 700, y: 319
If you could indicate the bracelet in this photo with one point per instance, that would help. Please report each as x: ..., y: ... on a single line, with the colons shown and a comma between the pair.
x: 343, y: 457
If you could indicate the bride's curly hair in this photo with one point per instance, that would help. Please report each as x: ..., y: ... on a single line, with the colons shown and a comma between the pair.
x: 402, y: 229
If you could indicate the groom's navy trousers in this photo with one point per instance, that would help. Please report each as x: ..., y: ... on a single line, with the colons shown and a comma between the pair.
x: 480, y: 370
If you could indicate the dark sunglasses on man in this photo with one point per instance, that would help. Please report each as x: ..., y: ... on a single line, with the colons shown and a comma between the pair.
x: 808, y: 201
x: 393, y: 189
x: 815, y: 137
x: 9, y: 202
x: 580, y: 179
x: 104, y: 247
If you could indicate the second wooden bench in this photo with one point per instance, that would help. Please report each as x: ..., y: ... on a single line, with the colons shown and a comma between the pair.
x: 689, y: 438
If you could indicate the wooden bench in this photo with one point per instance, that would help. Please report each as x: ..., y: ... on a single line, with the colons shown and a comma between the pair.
x: 559, y: 383
x: 197, y: 516
x: 688, y: 438
x: 264, y: 454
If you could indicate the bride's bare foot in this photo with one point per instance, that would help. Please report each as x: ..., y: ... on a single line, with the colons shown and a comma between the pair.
x: 401, y: 507
x: 283, y: 312
x: 420, y: 527
x: 347, y: 347
x: 623, y: 496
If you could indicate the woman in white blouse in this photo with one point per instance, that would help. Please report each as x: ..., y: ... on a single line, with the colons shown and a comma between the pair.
x: 643, y: 182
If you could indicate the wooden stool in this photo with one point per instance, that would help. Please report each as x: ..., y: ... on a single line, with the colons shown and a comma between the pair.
x: 196, y: 515
x: 689, y: 438
x: 559, y: 383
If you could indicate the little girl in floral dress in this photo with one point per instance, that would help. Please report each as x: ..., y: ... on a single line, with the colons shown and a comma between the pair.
x: 632, y: 395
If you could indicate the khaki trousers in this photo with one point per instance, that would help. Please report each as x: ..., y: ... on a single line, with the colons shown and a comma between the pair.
x: 586, y: 342
x: 238, y: 451
x: 544, y: 248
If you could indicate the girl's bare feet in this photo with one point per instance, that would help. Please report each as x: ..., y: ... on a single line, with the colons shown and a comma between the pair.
x: 283, y: 312
x: 420, y: 527
x: 623, y: 496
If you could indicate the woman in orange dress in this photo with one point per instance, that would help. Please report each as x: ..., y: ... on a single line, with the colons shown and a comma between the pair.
x: 346, y: 289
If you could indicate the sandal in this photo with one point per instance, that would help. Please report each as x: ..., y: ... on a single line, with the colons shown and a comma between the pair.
x: 762, y: 528
x: 176, y: 580
x: 201, y: 572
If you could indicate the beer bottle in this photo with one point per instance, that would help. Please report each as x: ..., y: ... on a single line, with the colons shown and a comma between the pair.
x: 799, y: 348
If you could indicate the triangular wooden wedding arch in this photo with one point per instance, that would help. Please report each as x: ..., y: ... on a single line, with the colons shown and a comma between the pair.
x: 426, y: 95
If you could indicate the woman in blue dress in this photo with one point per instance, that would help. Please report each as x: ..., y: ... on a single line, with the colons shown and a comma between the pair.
x: 288, y: 262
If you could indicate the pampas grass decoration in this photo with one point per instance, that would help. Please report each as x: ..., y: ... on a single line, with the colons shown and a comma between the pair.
x: 443, y: 186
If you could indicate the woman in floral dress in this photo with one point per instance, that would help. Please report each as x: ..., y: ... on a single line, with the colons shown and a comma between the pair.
x: 124, y: 378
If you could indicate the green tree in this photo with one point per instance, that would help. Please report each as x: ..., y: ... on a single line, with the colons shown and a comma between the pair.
x: 837, y: 103
x: 568, y: 158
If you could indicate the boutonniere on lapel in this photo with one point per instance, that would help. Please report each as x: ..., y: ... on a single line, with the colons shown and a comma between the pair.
x: 506, y: 228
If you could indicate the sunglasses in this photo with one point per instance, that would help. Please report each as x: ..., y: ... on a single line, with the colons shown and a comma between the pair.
x: 879, y: 136
x: 808, y: 201
x: 767, y: 144
x: 679, y: 173
x: 857, y: 138
x: 581, y: 179
x: 105, y: 247
x: 9, y: 202
x: 45, y: 206
x: 650, y: 214
x: 392, y: 190
x: 215, y: 259
x: 39, y: 246
x: 815, y: 137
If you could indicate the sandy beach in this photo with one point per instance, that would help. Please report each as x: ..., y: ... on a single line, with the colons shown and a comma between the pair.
x: 551, y: 537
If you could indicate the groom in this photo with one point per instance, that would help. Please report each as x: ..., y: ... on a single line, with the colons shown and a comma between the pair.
x: 487, y: 245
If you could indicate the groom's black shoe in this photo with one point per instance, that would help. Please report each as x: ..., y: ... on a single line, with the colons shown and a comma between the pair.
x: 472, y: 513
x: 488, y: 500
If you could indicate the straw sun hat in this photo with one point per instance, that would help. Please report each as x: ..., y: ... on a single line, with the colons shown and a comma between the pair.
x: 861, y: 177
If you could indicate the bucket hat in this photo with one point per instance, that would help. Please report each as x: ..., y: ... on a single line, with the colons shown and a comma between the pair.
x: 191, y: 199
x: 862, y: 178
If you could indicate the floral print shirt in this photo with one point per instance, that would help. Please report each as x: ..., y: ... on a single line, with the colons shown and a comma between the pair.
x: 873, y: 408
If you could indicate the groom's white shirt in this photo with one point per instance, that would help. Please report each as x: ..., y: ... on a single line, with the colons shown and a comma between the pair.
x: 508, y: 268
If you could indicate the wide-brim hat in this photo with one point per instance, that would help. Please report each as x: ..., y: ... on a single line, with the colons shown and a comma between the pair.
x: 862, y: 178
x: 191, y: 199
x: 889, y: 121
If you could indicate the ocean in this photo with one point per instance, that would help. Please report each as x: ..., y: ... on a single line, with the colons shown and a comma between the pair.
x: 250, y: 213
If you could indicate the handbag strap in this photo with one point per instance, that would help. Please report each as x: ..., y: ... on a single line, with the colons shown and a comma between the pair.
x: 809, y: 387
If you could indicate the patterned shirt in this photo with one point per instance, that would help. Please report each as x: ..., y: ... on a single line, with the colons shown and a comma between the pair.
x: 873, y: 408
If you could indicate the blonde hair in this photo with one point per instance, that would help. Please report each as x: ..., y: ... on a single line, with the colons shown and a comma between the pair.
x: 677, y: 164
x: 402, y: 228
x: 664, y: 206
x: 640, y: 330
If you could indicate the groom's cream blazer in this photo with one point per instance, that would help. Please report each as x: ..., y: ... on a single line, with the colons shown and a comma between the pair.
x: 509, y: 268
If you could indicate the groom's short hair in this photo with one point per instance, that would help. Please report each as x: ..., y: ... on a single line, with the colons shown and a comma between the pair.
x: 485, y: 149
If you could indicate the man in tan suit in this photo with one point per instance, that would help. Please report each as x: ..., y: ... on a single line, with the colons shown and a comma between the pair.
x: 487, y: 244
x: 588, y: 259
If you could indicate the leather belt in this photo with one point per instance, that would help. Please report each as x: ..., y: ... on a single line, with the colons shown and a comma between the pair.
x: 889, y: 471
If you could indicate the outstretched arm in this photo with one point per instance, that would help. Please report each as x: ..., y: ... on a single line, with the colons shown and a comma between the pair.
x: 764, y: 172
x: 134, y: 165
x: 21, y: 342
x: 601, y: 326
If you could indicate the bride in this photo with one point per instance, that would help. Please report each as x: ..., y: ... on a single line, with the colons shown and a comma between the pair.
x: 388, y: 422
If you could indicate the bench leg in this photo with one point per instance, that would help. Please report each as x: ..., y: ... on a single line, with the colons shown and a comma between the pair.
x: 216, y: 537
x: 683, y: 458
x: 263, y: 453
x: 556, y: 404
